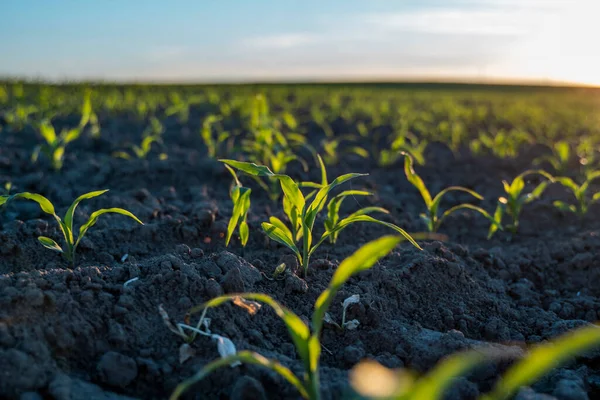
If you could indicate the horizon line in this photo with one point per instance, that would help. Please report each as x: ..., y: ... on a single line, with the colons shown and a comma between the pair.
x: 492, y: 81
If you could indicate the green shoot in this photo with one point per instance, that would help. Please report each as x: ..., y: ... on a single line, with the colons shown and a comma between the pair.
x: 373, y: 381
x: 141, y: 151
x: 55, y: 145
x: 302, y: 214
x: 213, y: 142
x: 66, y: 224
x: 240, y: 196
x: 580, y: 192
x: 432, y: 218
x: 403, y: 144
x: 559, y: 159
x: 513, y: 201
x: 306, y: 339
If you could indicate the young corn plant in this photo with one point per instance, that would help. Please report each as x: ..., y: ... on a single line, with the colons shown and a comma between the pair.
x: 432, y: 218
x: 302, y: 212
x: 373, y: 381
x: 559, y: 159
x: 403, y: 144
x: 580, y: 192
x: 55, y: 145
x: 213, y: 141
x: 66, y: 224
x: 514, y: 199
x: 240, y: 196
x: 305, y: 338
x: 141, y: 151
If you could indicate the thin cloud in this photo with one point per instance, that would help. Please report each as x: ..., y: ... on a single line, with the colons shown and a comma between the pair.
x: 281, y: 41
x: 456, y: 21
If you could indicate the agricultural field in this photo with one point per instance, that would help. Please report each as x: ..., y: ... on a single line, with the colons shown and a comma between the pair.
x: 404, y: 241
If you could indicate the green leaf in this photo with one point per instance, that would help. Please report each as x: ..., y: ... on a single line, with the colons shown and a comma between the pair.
x: 247, y: 357
x: 280, y: 236
x: 71, y: 211
x: 241, y: 204
x: 368, y: 210
x: 498, y: 218
x: 561, y: 205
x: 43, y: 202
x: 543, y: 359
x: 438, y: 198
x: 321, y: 197
x: 249, y: 168
x: 537, y: 192
x: 468, y: 207
x: 568, y: 183
x: 416, y: 180
x: 314, y: 353
x: 563, y: 151
x: 595, y: 197
x: 50, y: 244
x: 3, y: 199
x: 96, y: 214
x: 362, y: 259
x: 279, y: 224
x: 47, y: 131
x: 362, y: 218
x: 323, y: 171
x: 70, y: 135
x: 244, y: 233
x: 234, y: 175
x: 434, y: 384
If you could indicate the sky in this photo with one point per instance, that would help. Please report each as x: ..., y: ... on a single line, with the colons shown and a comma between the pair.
x: 290, y: 40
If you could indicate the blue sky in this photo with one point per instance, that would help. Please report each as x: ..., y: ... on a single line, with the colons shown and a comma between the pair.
x: 240, y: 40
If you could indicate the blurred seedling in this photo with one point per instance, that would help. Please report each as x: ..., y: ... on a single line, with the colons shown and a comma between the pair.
x: 305, y: 338
x: 302, y: 212
x: 66, y: 224
x: 558, y: 159
x: 55, y: 145
x: 373, y: 381
x: 141, y: 151
x: 432, y: 218
x: 213, y: 135
x: 580, y: 192
x: 514, y: 199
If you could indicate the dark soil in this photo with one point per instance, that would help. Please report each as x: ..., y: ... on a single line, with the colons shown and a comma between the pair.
x: 81, y: 334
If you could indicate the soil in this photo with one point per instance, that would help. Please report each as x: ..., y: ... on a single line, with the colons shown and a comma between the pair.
x: 80, y: 333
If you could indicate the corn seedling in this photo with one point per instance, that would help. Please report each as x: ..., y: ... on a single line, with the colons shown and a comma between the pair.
x: 154, y: 128
x: 54, y: 148
x: 514, y: 199
x: 213, y: 141
x: 580, y: 192
x: 66, y: 224
x: 55, y: 145
x: 432, y: 218
x: 240, y: 196
x: 141, y: 151
x: 559, y: 159
x: 302, y: 214
x: 306, y: 338
x: 403, y: 144
x: 18, y: 117
x: 333, y: 152
x: 373, y: 381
